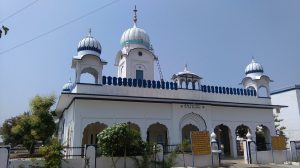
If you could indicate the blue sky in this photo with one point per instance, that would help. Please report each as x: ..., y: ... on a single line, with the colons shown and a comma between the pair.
x: 215, y: 38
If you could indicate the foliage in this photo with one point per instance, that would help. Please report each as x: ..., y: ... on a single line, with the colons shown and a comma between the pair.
x: 7, y: 136
x: 279, y: 128
x: 28, y: 128
x: 184, y: 146
x: 118, y: 139
x: 169, y: 161
x: 146, y: 160
x: 242, y: 131
x: 52, y: 154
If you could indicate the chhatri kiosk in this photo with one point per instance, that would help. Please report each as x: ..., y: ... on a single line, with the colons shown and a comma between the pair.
x: 162, y: 111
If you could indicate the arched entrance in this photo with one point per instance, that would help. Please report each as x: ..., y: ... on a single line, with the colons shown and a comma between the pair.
x: 186, y: 131
x: 91, y: 131
x: 224, y: 139
x: 157, y: 133
x: 241, y: 132
x: 263, y: 138
x: 134, y: 126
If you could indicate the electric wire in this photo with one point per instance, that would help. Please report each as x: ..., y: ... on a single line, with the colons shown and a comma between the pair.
x: 18, y: 11
x: 59, y: 27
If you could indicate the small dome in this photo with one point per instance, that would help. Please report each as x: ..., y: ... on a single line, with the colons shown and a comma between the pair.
x: 68, y: 87
x: 254, y: 67
x: 135, y: 35
x: 186, y: 74
x: 89, y: 45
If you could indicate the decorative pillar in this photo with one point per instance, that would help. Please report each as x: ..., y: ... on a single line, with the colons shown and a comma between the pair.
x: 233, y: 143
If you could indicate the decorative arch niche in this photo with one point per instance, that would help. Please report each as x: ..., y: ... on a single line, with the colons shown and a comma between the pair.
x: 91, y: 72
x: 91, y: 131
x: 157, y: 133
x: 194, y: 119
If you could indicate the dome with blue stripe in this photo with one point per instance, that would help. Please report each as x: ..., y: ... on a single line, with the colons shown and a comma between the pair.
x: 135, y: 35
x: 254, y: 67
x: 89, y: 45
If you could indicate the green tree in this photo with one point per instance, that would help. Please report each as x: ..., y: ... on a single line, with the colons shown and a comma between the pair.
x: 277, y: 121
x: 28, y: 128
x: 120, y: 140
x: 7, y: 135
x: 43, y: 124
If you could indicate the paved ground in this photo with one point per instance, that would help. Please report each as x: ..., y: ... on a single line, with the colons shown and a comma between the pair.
x: 240, y: 164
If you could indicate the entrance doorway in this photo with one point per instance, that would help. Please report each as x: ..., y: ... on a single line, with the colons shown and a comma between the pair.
x: 223, y: 137
x: 241, y: 132
x: 157, y: 133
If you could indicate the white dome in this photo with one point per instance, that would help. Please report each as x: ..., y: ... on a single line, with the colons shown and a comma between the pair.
x: 186, y: 74
x: 254, y: 67
x: 89, y: 45
x: 68, y: 87
x: 135, y: 35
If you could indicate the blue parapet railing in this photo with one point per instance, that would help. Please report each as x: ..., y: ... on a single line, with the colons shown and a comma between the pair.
x: 227, y: 90
x: 142, y: 83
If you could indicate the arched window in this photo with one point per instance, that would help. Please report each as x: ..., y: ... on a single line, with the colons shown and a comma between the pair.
x: 91, y: 131
x: 262, y: 92
x: 186, y: 131
x: 157, y: 133
x: 89, y: 75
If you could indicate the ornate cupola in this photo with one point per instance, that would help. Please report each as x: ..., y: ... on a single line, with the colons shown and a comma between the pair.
x: 136, y: 58
x: 256, y: 80
x: 187, y: 79
x: 88, y: 59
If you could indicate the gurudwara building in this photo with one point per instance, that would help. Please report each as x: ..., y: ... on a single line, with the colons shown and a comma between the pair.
x: 163, y: 111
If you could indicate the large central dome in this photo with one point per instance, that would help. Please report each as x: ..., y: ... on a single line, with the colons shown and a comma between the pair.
x: 135, y: 35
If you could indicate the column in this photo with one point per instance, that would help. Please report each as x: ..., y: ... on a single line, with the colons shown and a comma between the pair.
x: 233, y: 143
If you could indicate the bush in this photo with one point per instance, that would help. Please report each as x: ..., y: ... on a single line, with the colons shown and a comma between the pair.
x: 120, y: 140
x: 52, y: 154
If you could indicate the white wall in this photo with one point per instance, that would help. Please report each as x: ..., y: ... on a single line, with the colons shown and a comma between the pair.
x: 278, y: 157
x: 145, y: 113
x: 290, y: 114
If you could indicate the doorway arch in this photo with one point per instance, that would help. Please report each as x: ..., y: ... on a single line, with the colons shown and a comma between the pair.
x: 91, y: 131
x: 157, y: 133
x: 223, y: 134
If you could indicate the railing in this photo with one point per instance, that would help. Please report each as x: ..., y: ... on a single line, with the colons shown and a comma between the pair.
x: 128, y: 82
x: 228, y: 90
x: 73, y: 152
x: 22, y: 152
x: 295, y: 150
x: 139, y: 83
x: 263, y: 146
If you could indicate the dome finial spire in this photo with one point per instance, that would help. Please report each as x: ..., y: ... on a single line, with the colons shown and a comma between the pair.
x: 90, y: 32
x: 253, y: 60
x: 185, y: 67
x: 135, y: 16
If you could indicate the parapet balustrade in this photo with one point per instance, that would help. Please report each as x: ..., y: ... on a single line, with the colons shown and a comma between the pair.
x: 128, y: 82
